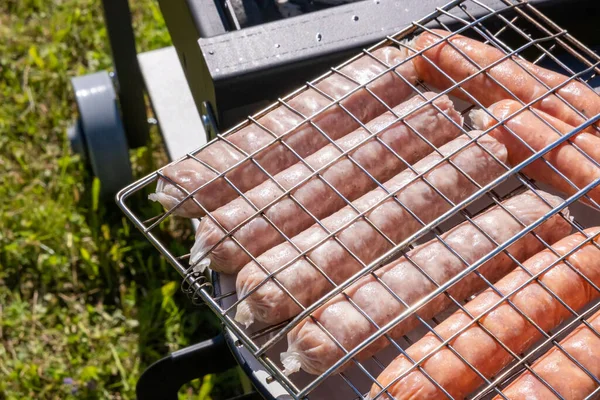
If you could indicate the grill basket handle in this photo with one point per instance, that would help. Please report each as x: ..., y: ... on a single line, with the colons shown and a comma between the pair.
x: 163, y: 379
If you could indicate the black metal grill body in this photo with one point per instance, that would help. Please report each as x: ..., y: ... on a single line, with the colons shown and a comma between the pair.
x: 241, y: 71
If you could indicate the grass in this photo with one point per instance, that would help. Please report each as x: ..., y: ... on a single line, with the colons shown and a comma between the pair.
x: 86, y: 304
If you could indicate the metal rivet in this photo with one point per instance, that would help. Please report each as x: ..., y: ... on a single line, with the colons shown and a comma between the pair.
x: 211, y: 52
x: 355, y: 18
x: 277, y: 45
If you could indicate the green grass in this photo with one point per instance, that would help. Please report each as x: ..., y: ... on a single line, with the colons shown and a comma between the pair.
x: 86, y: 304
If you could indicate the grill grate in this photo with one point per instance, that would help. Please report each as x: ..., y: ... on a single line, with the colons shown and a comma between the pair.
x: 519, y: 30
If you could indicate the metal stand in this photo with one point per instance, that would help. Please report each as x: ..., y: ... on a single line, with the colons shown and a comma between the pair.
x: 117, y: 18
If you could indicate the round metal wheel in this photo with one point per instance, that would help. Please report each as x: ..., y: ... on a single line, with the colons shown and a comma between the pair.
x: 98, y: 134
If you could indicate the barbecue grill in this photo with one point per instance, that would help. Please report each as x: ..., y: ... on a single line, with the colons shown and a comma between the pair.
x: 519, y: 29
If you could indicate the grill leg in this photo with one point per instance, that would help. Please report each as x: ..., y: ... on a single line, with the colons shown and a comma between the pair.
x: 117, y: 17
x: 163, y: 379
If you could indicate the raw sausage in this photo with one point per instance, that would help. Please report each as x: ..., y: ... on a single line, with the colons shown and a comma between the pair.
x: 305, y: 139
x: 270, y: 304
x: 504, y: 322
x: 560, y: 372
x: 512, y: 73
x: 310, y: 348
x: 507, y: 324
x: 532, y: 129
x: 257, y: 235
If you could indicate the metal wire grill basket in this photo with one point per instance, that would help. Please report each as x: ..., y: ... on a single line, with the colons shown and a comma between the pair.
x: 519, y: 30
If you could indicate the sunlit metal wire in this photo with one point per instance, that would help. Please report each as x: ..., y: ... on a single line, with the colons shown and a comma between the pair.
x: 538, y: 35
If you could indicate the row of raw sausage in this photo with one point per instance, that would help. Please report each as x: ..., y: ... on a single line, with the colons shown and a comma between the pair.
x: 491, y: 77
x: 303, y: 138
x: 483, y: 336
x: 486, y: 75
x: 398, y: 142
x: 561, y: 368
x: 526, y: 132
x: 386, y: 216
x: 402, y: 283
x: 490, y: 329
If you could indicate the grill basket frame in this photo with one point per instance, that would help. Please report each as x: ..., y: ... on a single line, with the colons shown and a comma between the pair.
x: 199, y: 285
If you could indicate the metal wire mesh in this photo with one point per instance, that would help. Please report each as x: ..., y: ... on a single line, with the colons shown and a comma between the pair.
x: 518, y: 30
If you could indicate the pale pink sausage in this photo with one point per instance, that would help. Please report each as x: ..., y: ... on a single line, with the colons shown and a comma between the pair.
x: 511, y: 73
x: 305, y: 139
x: 560, y: 372
x: 532, y: 129
x: 270, y: 304
x: 310, y: 348
x: 480, y: 349
x: 257, y: 235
